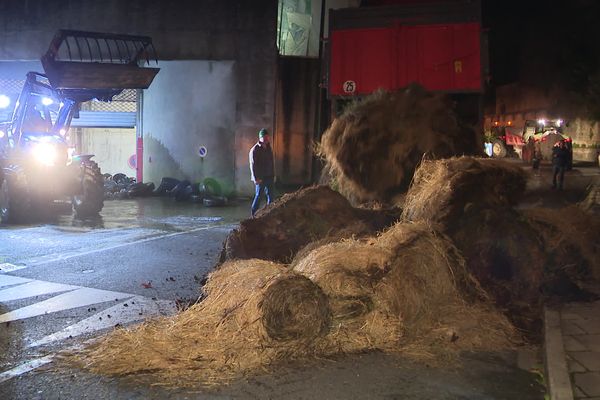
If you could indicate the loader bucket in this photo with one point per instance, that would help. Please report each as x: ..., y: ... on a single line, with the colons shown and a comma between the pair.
x: 79, y: 60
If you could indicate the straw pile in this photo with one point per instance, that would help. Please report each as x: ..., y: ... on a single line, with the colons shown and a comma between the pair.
x: 400, y: 291
x: 254, y: 314
x: 297, y: 219
x: 571, y: 243
x: 443, y: 190
x: 372, y: 150
x: 520, y: 258
x: 395, y: 292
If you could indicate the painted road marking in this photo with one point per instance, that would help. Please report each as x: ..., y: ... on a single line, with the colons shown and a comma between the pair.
x: 24, y: 368
x: 8, y: 280
x: 32, y: 289
x: 132, y: 309
x: 78, y: 298
x: 138, y: 309
x: 8, y: 267
x: 116, y: 246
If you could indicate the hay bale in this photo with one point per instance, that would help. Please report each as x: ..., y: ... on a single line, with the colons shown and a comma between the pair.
x: 346, y: 271
x: 285, y: 305
x: 409, y: 282
x: 254, y: 314
x: 443, y: 189
x: 294, y: 308
x: 508, y: 251
x: 372, y: 150
x: 279, y: 231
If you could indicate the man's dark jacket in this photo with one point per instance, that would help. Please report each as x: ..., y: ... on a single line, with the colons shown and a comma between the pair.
x: 560, y: 157
x: 261, y: 162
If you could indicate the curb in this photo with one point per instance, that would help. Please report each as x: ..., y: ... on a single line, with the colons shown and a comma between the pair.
x: 557, y: 372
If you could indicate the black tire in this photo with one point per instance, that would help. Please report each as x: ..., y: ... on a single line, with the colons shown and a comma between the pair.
x: 216, y: 201
x: 90, y: 200
x: 15, y: 202
x: 499, y: 149
x: 119, y: 178
x: 184, y: 194
x: 166, y: 185
x: 179, y: 188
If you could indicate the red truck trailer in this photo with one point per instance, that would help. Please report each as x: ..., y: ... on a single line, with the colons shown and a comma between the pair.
x: 437, y: 44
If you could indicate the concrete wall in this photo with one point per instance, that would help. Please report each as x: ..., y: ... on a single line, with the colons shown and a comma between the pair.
x: 173, y: 132
x: 239, y: 31
x: 586, y: 138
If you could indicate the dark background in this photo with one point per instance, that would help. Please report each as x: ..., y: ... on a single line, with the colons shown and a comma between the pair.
x: 553, y: 45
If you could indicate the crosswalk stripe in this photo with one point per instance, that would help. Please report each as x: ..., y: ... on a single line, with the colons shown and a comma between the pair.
x: 66, y: 301
x: 8, y: 267
x: 23, y: 368
x: 8, y: 280
x: 136, y: 309
x: 32, y: 289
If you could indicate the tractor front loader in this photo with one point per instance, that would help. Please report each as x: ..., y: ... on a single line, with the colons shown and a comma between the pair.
x: 36, y: 166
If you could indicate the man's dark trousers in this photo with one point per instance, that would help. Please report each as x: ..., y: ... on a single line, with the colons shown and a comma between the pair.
x: 560, y: 171
x: 267, y: 187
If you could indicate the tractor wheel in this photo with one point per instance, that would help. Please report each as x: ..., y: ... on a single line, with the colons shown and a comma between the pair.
x: 14, y: 196
x: 499, y: 149
x: 90, y: 199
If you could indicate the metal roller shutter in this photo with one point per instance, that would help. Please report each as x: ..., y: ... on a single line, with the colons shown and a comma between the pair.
x: 104, y: 119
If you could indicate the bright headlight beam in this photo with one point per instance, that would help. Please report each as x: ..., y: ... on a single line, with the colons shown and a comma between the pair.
x: 47, y: 101
x: 4, y: 101
x: 44, y: 153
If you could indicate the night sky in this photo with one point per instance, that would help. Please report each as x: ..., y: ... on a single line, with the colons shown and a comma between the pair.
x: 536, y: 41
x: 549, y: 45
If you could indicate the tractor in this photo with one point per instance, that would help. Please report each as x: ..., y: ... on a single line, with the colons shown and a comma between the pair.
x: 534, y: 136
x: 37, y: 165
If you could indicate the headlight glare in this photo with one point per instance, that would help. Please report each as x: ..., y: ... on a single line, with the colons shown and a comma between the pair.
x: 44, y: 153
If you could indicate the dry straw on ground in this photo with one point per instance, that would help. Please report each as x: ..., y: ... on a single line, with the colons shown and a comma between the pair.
x: 570, y: 238
x: 255, y: 313
x: 372, y: 150
x: 259, y: 314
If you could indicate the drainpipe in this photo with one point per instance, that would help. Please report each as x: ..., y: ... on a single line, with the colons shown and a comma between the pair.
x: 139, y: 137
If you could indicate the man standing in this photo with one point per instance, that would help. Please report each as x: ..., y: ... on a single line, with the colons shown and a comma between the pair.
x: 262, y: 168
x: 560, y: 160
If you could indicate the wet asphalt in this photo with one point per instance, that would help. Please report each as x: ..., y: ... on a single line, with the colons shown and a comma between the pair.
x: 158, y: 249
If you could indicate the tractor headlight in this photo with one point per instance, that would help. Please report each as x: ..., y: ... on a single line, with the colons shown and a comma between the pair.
x: 4, y: 101
x: 44, y: 153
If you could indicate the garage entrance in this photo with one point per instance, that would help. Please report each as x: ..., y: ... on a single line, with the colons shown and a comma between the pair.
x: 108, y: 130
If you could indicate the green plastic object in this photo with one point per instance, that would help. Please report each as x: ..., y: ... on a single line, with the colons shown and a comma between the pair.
x: 212, y: 187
